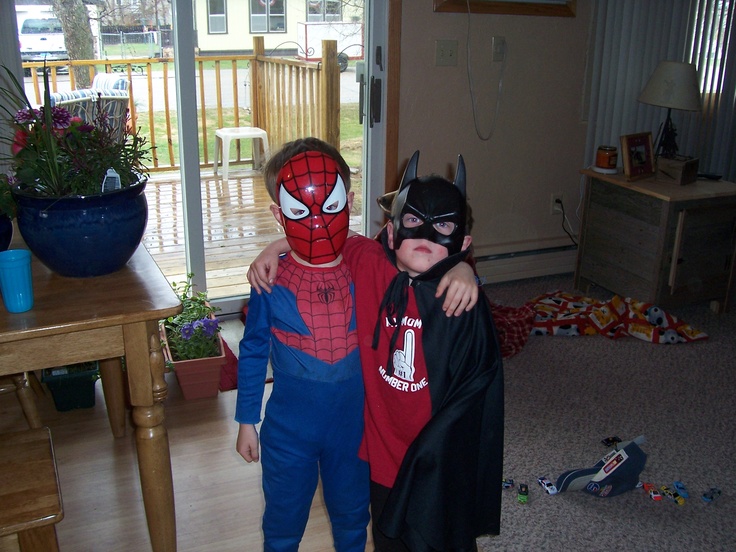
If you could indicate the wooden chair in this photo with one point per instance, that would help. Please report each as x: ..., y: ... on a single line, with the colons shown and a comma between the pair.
x: 30, y: 498
x: 21, y: 384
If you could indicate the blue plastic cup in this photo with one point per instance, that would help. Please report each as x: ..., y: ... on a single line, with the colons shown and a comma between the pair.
x: 16, y: 283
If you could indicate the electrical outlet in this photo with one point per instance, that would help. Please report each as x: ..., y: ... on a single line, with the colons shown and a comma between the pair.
x: 555, y: 203
x: 498, y: 47
x: 445, y: 53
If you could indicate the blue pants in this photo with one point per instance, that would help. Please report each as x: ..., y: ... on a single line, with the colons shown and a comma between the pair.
x: 312, y: 430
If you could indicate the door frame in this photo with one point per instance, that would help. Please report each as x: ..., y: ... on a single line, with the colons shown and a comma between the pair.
x: 183, y: 17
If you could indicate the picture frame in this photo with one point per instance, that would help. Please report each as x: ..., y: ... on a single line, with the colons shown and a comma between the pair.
x: 637, y: 152
x: 549, y: 8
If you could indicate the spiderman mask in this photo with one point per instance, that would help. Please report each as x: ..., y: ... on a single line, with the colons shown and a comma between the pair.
x: 314, y: 206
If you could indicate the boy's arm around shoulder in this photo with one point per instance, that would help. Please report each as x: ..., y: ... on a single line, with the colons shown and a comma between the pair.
x: 462, y: 289
x: 262, y: 271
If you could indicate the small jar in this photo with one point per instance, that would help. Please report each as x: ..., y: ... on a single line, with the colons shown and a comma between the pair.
x: 606, y: 157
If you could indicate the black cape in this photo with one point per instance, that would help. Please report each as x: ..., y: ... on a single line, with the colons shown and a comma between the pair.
x: 448, y: 490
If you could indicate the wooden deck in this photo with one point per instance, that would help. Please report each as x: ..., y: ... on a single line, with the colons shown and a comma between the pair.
x: 237, y: 226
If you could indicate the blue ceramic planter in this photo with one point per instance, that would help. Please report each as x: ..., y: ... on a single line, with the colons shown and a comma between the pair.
x: 84, y: 236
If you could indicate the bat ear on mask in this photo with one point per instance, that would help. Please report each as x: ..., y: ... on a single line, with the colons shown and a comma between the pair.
x: 459, y: 174
x: 410, y: 173
x: 385, y: 201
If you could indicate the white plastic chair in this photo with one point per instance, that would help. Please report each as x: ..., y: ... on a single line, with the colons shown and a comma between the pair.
x: 226, y: 135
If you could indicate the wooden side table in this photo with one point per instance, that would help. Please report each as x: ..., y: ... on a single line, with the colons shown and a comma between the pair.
x: 658, y: 242
x: 83, y: 319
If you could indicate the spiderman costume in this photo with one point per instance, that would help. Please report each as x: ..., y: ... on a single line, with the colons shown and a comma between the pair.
x: 313, y: 421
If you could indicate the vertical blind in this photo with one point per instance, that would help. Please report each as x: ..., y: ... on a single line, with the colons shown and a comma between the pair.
x: 628, y: 39
x: 712, y: 48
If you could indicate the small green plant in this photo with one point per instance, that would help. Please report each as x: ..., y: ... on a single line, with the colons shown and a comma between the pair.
x: 192, y: 333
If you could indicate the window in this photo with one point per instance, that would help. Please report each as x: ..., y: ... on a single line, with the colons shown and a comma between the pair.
x: 324, y: 10
x: 216, y: 16
x: 709, y: 38
x: 267, y: 16
x: 713, y: 50
x: 41, y: 26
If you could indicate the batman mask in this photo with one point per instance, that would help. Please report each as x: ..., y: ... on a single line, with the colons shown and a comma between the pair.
x: 430, y: 208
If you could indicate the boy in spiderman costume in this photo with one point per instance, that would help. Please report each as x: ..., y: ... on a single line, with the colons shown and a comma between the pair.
x: 313, y: 423
x: 434, y: 384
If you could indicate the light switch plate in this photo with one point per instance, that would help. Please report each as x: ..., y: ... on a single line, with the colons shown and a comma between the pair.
x: 445, y: 53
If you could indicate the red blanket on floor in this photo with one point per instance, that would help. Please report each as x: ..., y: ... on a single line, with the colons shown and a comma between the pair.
x: 560, y: 313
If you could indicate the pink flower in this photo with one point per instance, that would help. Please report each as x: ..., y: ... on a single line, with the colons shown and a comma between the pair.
x: 20, y: 141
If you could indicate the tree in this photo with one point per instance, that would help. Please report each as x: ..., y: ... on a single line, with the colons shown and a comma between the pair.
x: 78, y: 38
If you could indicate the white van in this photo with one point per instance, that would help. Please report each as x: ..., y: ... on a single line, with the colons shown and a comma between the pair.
x: 41, y: 39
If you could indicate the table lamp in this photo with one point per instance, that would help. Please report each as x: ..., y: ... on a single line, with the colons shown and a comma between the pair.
x: 673, y: 85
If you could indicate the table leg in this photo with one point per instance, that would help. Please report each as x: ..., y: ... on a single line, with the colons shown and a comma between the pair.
x: 27, y: 400
x: 111, y: 373
x: 147, y: 386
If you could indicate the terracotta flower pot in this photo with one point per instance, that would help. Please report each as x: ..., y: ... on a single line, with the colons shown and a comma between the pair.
x: 198, y: 378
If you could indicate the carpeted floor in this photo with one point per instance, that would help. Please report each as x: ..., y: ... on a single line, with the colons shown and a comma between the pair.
x: 565, y: 394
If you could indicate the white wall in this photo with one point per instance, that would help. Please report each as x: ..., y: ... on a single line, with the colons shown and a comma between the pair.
x: 538, y: 144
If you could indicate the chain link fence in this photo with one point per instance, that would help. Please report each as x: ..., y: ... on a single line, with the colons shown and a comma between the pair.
x: 125, y: 45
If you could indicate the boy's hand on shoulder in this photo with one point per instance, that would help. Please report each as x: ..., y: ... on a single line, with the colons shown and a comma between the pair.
x: 262, y: 271
x: 461, y: 287
x: 247, y: 443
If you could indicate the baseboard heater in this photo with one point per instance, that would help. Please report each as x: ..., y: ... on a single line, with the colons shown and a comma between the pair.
x: 517, y: 265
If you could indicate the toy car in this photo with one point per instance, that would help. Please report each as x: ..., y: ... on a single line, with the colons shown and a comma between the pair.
x: 652, y: 491
x: 711, y: 494
x: 507, y: 484
x: 672, y: 495
x: 523, y: 493
x: 610, y: 441
x: 681, y: 489
x: 547, y: 485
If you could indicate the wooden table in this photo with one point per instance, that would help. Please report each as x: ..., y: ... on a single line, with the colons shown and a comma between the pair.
x: 659, y: 242
x: 83, y: 319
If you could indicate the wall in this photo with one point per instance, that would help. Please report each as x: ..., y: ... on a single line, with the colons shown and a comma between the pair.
x: 538, y: 143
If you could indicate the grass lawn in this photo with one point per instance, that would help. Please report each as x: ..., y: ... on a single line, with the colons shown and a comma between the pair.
x: 351, y: 133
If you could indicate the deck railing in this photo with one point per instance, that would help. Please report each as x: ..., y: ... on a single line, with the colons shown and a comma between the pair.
x: 287, y: 97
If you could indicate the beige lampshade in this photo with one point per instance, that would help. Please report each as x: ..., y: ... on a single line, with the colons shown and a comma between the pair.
x: 675, y: 85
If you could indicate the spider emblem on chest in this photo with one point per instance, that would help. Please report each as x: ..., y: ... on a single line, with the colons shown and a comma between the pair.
x: 325, y: 294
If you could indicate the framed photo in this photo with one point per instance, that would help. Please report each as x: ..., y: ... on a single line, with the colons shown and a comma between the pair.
x: 638, y: 155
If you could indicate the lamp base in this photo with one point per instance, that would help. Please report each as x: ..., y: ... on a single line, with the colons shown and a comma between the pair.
x: 677, y: 170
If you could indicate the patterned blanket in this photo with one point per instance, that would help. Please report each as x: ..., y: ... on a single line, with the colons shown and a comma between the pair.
x: 560, y: 313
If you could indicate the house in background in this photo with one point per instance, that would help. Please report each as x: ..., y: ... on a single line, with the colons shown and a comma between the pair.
x: 288, y: 26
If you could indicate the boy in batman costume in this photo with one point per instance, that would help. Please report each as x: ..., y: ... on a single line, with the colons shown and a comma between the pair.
x: 433, y: 433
